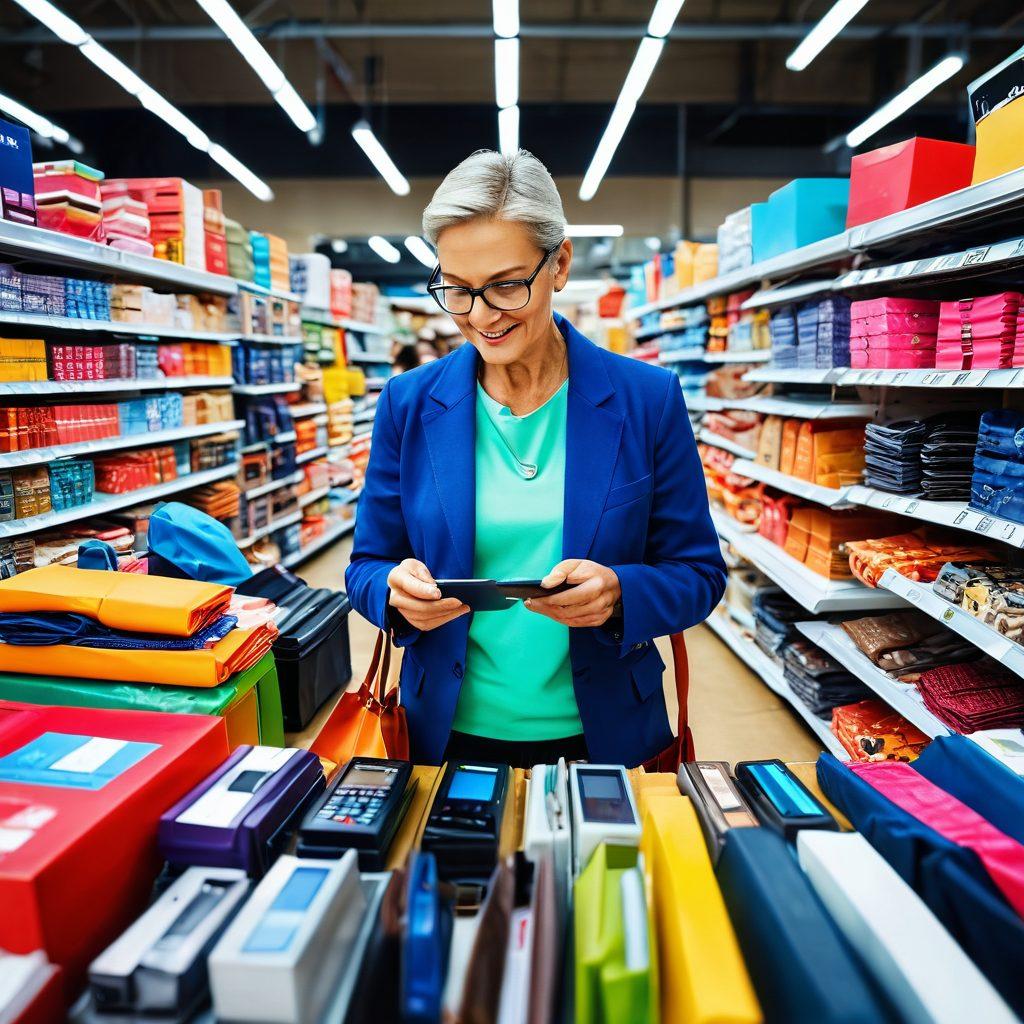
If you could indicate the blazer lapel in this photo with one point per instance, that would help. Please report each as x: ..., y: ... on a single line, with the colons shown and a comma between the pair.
x: 450, y: 430
x: 592, y: 437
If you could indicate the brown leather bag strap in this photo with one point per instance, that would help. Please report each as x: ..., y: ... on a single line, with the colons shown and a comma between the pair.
x: 681, y: 667
x: 384, y: 637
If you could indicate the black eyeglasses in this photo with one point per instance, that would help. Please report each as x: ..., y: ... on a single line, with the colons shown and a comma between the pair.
x: 505, y: 296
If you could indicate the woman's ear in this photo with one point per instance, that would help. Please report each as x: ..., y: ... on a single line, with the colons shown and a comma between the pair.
x: 563, y: 263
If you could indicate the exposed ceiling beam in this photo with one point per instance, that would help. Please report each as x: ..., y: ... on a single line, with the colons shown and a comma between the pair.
x: 484, y: 30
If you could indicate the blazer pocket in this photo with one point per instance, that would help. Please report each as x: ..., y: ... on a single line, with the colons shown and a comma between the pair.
x: 629, y: 492
x: 412, y: 675
x: 648, y: 674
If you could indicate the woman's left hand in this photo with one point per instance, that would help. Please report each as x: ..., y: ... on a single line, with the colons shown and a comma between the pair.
x: 592, y: 599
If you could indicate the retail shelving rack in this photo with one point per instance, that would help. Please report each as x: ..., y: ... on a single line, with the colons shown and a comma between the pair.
x: 970, y: 242
x: 54, y: 252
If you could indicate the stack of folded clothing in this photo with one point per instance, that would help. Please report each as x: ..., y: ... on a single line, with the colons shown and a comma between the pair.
x: 997, y: 486
x: 919, y: 556
x: 124, y: 627
x: 871, y: 731
x: 818, y: 679
x: 823, y: 333
x: 784, y: 338
x: 947, y: 456
x: 893, y: 333
x: 978, y: 333
x: 125, y: 219
x: 829, y: 453
x: 992, y: 593
x: 892, y: 456
x: 775, y: 618
x: 904, y: 644
x: 220, y: 500
x: 68, y: 198
x: 977, y: 696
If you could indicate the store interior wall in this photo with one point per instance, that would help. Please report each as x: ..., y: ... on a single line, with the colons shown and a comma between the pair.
x: 357, y: 207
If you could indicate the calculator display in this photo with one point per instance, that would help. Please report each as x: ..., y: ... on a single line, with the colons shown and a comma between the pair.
x: 364, y: 775
x: 360, y: 796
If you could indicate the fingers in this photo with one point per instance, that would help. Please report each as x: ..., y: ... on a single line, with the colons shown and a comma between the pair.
x: 560, y: 572
x: 426, y: 624
x: 404, y: 602
x: 593, y: 613
x: 579, y: 595
x: 413, y: 578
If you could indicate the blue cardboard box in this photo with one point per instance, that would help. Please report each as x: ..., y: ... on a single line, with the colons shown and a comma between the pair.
x: 17, y: 187
x: 804, y: 211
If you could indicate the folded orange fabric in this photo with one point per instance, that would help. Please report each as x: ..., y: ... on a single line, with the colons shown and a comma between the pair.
x: 239, y: 650
x: 141, y: 604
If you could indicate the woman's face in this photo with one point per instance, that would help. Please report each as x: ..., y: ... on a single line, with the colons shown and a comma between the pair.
x: 481, y: 252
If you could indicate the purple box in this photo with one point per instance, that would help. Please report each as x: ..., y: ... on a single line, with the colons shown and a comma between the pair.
x: 242, y: 814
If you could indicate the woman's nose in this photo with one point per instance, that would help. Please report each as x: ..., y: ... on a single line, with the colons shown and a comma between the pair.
x: 481, y: 316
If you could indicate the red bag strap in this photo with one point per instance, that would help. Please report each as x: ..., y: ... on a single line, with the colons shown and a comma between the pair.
x: 681, y: 666
x: 377, y: 673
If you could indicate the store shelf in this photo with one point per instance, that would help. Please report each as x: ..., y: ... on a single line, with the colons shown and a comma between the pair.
x: 313, y: 453
x: 310, y: 496
x: 754, y: 356
x: 67, y: 323
x: 777, y: 375
x: 765, y: 298
x: 326, y: 319
x: 274, y: 293
x: 367, y: 357
x: 771, y: 674
x: 902, y: 697
x: 114, y: 502
x: 681, y: 355
x: 809, y: 409
x: 966, y: 379
x: 35, y: 456
x: 270, y: 339
x: 703, y: 403
x: 304, y: 409
x: 333, y: 534
x: 285, y: 438
x: 814, y: 592
x: 828, y: 496
x: 274, y: 485
x: 55, y: 248
x: 266, y: 531
x: 31, y: 388
x: 717, y: 441
x: 656, y: 332
x: 267, y: 389
x: 954, y: 514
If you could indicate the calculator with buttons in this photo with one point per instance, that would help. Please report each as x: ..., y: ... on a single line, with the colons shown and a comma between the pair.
x: 361, y: 810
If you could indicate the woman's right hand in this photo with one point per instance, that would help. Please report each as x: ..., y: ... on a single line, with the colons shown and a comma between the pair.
x: 414, y: 593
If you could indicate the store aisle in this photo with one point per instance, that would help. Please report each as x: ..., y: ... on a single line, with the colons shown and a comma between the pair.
x: 734, y: 716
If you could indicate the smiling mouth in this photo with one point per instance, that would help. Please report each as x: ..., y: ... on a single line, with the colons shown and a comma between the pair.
x: 497, y: 335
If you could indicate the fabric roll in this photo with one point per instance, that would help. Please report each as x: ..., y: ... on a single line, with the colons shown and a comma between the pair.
x: 81, y: 631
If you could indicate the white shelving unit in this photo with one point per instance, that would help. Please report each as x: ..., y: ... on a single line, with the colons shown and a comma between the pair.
x: 813, y: 592
x: 761, y: 355
x: 266, y: 531
x: 717, y: 441
x: 969, y: 380
x: 307, y: 409
x: 274, y: 485
x: 703, y: 403
x: 326, y: 319
x: 774, y: 375
x: 809, y: 409
x: 267, y: 389
x: 330, y: 536
x: 35, y: 456
x: 162, y: 331
x: 680, y: 355
x: 313, y: 453
x: 830, y: 497
x: 284, y: 438
x: 311, y: 496
x: 367, y: 357
x: 115, y: 502
x: 761, y: 665
x: 35, y: 388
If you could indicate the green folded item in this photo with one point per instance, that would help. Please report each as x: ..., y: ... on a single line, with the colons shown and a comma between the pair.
x: 65, y: 691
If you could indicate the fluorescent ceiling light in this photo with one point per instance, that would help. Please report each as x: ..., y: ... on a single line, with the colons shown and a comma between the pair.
x: 378, y: 156
x: 647, y: 55
x: 421, y: 251
x: 593, y: 230
x: 837, y: 18
x: 506, y: 18
x: 339, y: 245
x: 653, y: 242
x: 902, y: 102
x: 240, y: 36
x: 36, y: 122
x: 506, y: 72
x: 153, y: 101
x: 663, y: 17
x: 508, y: 130
x: 610, y: 140
x: 384, y: 249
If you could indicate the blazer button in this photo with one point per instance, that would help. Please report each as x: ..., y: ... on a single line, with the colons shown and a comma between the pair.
x: 457, y: 670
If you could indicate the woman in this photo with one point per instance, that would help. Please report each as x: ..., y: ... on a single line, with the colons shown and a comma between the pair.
x: 529, y: 453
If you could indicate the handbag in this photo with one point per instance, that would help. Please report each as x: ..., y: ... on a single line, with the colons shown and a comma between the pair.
x: 681, y: 749
x: 369, y: 722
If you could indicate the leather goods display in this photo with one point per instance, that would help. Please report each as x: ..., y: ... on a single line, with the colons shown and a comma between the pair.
x: 919, y: 555
x: 871, y: 731
x: 950, y: 878
x: 978, y: 333
x: 904, y: 644
x: 701, y: 973
x: 369, y: 722
x: 240, y: 815
x: 894, y: 178
x: 81, y: 794
x: 118, y: 600
x: 925, y: 974
x: 995, y: 99
x: 312, y: 647
x: 818, y: 679
x: 983, y: 695
x: 801, y: 968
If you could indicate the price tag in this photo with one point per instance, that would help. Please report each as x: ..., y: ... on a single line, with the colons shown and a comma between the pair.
x: 911, y: 507
x: 928, y: 378
x: 1018, y: 249
x: 948, y: 615
x: 1008, y: 531
x: 898, y: 378
x: 888, y: 503
x: 961, y: 378
x: 939, y: 379
x: 984, y: 525
x: 975, y: 256
x: 913, y: 594
x: 960, y: 518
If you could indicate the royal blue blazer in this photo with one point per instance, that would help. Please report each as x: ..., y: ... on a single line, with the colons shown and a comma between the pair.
x: 634, y: 501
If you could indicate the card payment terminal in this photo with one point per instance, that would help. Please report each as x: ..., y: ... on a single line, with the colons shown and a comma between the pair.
x: 780, y: 800
x: 361, y: 810
x: 603, y: 810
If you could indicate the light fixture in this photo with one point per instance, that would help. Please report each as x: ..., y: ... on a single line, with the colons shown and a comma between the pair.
x: 378, y: 156
x: 593, y: 230
x: 653, y: 242
x: 339, y: 245
x: 647, y: 55
x: 508, y: 131
x: 421, y: 251
x: 384, y: 249
x: 506, y: 72
x: 663, y: 17
x: 241, y: 38
x: 902, y: 102
x: 155, y: 102
x: 834, y: 21
x: 506, y: 18
x: 40, y: 125
x: 610, y: 140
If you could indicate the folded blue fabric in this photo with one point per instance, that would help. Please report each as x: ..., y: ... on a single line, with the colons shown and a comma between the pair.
x: 80, y: 631
x: 801, y: 967
x: 97, y: 554
x: 949, y: 878
x: 1001, y: 432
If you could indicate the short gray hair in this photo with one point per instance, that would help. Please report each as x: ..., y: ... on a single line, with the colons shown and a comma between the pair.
x: 498, y: 186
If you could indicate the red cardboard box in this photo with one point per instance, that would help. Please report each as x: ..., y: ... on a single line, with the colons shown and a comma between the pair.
x: 906, y: 174
x: 81, y: 792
